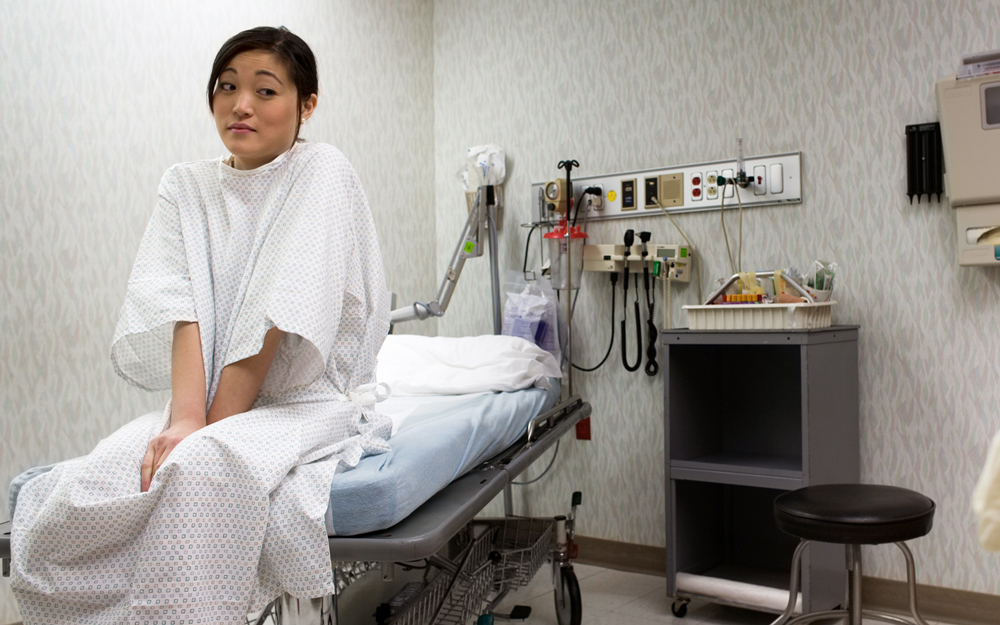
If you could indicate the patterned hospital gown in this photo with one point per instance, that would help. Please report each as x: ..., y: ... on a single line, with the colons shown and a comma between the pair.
x: 235, y: 515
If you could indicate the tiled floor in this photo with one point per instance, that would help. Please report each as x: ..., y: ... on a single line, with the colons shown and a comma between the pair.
x: 617, y: 598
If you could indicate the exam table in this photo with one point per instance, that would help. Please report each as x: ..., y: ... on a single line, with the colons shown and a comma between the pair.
x: 479, y: 561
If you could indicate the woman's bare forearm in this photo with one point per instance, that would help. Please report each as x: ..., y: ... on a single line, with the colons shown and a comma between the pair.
x: 241, y: 381
x: 187, y: 379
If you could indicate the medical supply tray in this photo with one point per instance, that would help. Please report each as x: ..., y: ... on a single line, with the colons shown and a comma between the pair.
x: 805, y: 316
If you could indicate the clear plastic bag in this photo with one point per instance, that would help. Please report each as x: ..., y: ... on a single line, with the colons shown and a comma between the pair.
x: 531, y: 312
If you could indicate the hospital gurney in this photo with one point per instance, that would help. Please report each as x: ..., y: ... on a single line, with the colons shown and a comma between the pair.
x: 478, y: 562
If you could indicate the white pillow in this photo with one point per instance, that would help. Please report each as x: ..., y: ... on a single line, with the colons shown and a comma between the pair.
x: 422, y: 365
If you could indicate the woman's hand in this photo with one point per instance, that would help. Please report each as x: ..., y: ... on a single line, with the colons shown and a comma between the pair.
x: 162, y: 444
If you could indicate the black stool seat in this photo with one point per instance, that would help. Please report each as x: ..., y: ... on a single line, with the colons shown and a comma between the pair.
x: 858, y: 514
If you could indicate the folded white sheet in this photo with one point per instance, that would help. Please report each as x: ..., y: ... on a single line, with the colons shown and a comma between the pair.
x: 400, y: 407
x: 421, y: 365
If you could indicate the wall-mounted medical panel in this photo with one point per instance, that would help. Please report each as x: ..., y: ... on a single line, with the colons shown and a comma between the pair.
x: 774, y: 179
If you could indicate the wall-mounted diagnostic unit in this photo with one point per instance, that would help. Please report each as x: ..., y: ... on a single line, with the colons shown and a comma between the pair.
x: 664, y: 259
x: 969, y: 111
x: 773, y: 180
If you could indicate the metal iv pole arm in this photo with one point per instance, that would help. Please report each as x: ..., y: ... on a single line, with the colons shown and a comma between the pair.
x: 469, y: 246
x: 761, y: 274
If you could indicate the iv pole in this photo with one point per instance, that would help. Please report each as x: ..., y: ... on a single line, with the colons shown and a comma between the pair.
x: 568, y: 165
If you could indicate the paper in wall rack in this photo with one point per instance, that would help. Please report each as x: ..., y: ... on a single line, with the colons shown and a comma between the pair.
x: 979, y: 64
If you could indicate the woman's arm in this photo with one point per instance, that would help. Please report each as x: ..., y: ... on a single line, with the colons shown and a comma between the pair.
x: 187, y: 407
x: 238, y: 387
x: 241, y: 381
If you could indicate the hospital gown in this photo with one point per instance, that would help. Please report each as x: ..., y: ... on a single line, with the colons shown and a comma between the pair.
x: 235, y: 515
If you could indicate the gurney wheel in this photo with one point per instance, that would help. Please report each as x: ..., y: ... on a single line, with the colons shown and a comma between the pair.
x: 569, y: 610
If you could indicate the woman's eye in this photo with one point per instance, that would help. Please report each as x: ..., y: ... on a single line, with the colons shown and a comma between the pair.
x: 226, y: 86
x: 267, y: 92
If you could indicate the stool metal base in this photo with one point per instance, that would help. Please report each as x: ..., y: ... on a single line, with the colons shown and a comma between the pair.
x: 852, y: 613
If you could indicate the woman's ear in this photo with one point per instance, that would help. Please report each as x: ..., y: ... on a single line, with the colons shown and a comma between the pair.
x: 308, y: 107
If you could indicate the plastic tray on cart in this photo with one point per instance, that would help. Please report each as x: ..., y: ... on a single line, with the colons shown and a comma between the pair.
x: 805, y: 316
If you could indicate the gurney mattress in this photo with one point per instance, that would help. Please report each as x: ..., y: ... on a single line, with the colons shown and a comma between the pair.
x: 440, y: 439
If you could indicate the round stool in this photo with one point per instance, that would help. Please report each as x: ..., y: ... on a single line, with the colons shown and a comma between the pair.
x: 853, y: 515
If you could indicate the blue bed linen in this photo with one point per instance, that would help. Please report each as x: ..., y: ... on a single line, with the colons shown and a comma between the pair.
x: 435, y: 445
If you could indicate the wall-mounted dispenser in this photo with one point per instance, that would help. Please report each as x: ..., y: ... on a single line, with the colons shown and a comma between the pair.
x: 969, y: 111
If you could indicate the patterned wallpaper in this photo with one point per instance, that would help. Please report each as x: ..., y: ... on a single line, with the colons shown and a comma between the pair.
x: 627, y: 85
x: 99, y: 98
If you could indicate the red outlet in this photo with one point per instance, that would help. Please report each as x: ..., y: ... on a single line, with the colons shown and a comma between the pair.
x: 583, y: 430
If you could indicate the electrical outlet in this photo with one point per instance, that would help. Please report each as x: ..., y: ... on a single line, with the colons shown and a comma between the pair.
x: 696, y: 190
x: 711, y: 185
x: 597, y: 201
x: 628, y: 195
x: 729, y: 190
x: 652, y: 187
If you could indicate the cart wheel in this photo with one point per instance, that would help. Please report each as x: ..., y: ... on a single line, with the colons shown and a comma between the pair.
x: 679, y: 608
x: 569, y: 610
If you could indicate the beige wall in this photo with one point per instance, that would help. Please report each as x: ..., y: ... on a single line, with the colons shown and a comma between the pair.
x: 99, y: 98
x: 631, y: 85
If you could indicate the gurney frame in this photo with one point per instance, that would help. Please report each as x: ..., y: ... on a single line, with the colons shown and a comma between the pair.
x: 479, y: 562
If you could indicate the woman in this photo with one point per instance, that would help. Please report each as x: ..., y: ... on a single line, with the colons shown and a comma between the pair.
x: 258, y: 298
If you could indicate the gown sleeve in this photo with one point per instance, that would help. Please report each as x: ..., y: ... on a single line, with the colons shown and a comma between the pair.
x: 314, y: 280
x: 159, y: 294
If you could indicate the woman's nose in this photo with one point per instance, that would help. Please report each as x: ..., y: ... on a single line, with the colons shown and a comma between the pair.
x: 243, y: 105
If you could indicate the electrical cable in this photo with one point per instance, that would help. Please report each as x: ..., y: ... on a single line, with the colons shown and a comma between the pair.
x: 697, y: 274
x: 576, y: 204
x: 614, y: 283
x: 722, y: 217
x: 629, y: 240
x: 652, y: 368
x: 551, y: 462
x: 741, y: 226
x: 524, y: 267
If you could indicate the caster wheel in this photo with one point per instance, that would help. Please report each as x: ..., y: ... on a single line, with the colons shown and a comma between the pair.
x: 569, y: 610
x: 679, y: 608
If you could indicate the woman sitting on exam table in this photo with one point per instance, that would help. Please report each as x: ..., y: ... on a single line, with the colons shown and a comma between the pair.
x: 258, y: 298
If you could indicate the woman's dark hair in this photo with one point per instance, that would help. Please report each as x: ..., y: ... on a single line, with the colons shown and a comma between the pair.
x: 282, y: 43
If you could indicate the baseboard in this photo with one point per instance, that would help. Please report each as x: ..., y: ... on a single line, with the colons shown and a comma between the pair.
x: 961, y: 607
x: 948, y: 605
x: 612, y: 554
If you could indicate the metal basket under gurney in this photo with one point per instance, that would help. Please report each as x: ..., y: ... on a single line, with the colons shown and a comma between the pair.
x: 440, y: 563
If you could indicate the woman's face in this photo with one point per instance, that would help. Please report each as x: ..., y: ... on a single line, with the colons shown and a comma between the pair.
x: 256, y: 109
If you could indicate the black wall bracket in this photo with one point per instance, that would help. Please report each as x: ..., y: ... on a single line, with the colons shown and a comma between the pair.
x: 924, y: 161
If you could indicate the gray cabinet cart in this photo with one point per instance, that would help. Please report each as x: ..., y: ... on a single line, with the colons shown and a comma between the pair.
x: 747, y: 416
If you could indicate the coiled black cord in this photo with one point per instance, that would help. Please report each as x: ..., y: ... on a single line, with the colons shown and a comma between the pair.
x: 638, y: 328
x: 614, y: 282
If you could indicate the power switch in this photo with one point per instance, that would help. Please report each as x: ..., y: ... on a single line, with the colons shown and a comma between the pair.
x: 759, y: 184
x: 777, y: 179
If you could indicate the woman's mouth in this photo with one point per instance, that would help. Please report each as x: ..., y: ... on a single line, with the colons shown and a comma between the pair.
x: 241, y: 129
